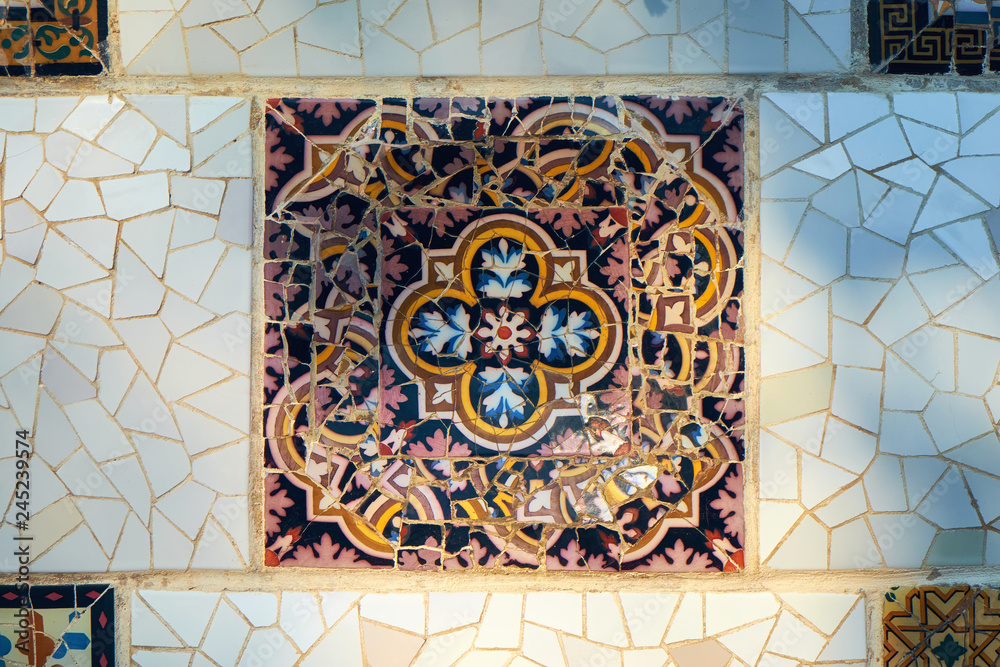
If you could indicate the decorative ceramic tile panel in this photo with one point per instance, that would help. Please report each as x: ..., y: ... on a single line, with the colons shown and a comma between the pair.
x: 477, y: 629
x: 490, y: 37
x: 879, y: 349
x: 933, y: 36
x: 946, y: 627
x: 57, y: 625
x: 124, y: 329
x: 504, y: 333
x: 51, y: 37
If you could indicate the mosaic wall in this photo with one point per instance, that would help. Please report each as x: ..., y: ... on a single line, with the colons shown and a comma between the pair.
x: 52, y: 37
x: 879, y: 356
x: 499, y: 335
x: 514, y: 343
x: 124, y: 329
x: 480, y: 629
x: 57, y: 625
x: 491, y: 37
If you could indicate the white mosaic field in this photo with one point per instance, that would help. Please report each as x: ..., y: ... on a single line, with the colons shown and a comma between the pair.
x: 489, y: 37
x: 124, y: 329
x: 496, y: 629
x: 880, y: 346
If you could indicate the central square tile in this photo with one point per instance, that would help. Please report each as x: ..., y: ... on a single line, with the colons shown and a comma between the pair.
x: 504, y: 333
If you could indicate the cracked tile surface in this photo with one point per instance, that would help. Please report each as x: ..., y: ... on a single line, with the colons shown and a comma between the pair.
x: 476, y: 629
x: 879, y: 350
x: 941, y: 626
x: 504, y: 333
x: 54, y: 37
x: 124, y: 329
x: 489, y: 37
x: 67, y: 625
x: 933, y: 37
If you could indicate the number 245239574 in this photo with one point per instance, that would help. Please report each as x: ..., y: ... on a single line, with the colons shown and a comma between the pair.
x: 22, y: 486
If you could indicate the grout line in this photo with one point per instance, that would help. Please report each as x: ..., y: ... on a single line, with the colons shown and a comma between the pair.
x: 873, y: 608
x: 123, y: 623
x: 319, y: 579
x: 114, y: 41
x: 255, y: 497
x: 751, y: 325
x: 858, y: 52
x: 377, y: 87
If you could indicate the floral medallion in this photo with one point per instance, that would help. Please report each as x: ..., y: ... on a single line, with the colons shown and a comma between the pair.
x: 544, y: 333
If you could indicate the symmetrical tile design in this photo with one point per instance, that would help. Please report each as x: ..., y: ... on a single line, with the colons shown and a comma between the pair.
x: 50, y: 37
x: 504, y: 333
x: 879, y: 348
x: 489, y: 37
x: 124, y: 328
x: 941, y: 627
x: 480, y: 629
x: 57, y: 625
x: 933, y: 36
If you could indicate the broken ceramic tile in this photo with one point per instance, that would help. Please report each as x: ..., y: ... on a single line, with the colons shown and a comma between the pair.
x: 917, y: 37
x: 142, y: 311
x: 939, y: 625
x: 553, y: 37
x: 39, y: 38
x: 452, y: 289
x: 874, y: 336
x: 499, y: 628
x: 68, y: 624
